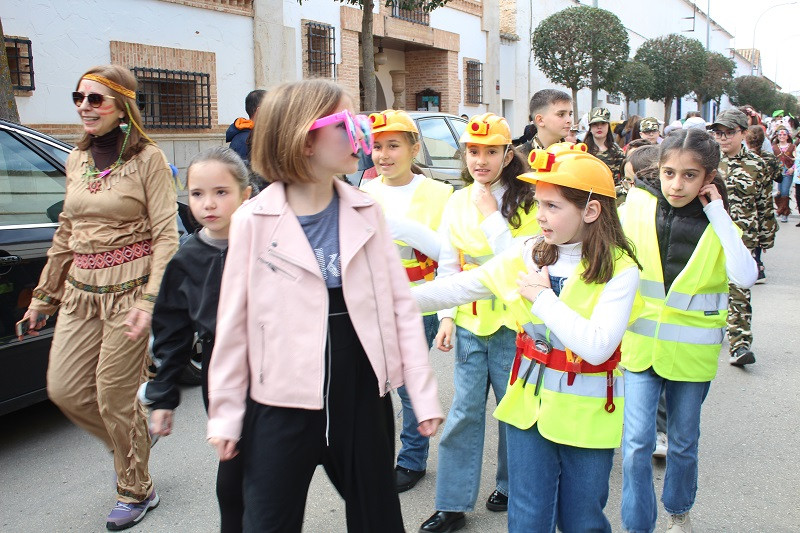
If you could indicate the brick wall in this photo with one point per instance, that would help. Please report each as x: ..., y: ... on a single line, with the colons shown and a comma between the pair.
x: 508, y: 17
x: 141, y: 55
x: 437, y: 70
x: 348, y: 76
x: 237, y: 7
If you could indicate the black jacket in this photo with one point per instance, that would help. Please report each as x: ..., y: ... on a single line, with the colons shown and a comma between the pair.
x: 237, y: 136
x: 678, y: 230
x: 187, y: 303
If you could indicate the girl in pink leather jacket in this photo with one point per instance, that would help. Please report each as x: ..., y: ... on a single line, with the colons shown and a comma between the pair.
x: 316, y: 324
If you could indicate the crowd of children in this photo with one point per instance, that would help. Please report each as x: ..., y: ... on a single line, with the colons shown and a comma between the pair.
x: 313, y: 300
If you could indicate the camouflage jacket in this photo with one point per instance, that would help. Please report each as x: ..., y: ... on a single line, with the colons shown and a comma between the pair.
x: 750, y: 195
x: 613, y: 158
x: 772, y: 166
x: 524, y: 149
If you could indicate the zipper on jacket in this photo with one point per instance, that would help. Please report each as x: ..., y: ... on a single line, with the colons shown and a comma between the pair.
x: 263, y: 354
x: 327, y: 392
x: 276, y: 268
x: 670, y: 215
x: 388, y: 383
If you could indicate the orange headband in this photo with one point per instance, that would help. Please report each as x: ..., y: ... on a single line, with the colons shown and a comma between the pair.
x: 124, y: 91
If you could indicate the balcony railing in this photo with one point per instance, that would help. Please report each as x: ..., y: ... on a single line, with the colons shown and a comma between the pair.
x: 416, y: 15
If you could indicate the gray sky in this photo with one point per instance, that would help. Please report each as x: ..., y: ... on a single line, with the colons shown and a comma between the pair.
x: 777, y: 34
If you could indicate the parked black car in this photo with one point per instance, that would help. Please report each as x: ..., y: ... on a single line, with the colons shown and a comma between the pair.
x: 32, y: 184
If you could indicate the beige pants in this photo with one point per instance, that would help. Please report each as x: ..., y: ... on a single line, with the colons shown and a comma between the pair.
x: 93, y: 376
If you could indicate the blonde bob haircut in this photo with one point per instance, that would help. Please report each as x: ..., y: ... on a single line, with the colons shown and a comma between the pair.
x: 280, y: 133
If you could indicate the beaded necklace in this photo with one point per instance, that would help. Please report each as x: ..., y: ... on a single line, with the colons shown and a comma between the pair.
x: 94, y: 177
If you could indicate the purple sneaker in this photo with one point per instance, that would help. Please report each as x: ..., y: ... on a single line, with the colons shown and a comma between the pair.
x: 125, y: 515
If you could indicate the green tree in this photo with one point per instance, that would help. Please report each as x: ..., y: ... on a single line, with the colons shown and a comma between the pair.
x: 581, y: 47
x: 8, y: 104
x: 678, y: 64
x: 787, y: 102
x: 717, y: 78
x: 755, y: 91
x: 635, y: 82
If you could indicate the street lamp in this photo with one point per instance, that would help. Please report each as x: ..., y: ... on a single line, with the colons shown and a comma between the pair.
x: 753, y: 52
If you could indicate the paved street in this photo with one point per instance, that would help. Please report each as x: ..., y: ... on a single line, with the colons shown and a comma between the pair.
x: 54, y: 477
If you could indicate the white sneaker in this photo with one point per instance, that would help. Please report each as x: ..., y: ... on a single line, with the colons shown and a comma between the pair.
x: 661, y: 446
x: 679, y: 523
x: 784, y: 218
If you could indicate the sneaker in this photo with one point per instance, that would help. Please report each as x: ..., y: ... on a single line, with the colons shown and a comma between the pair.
x: 784, y: 218
x: 406, y: 479
x: 679, y: 523
x: 125, y: 515
x: 661, y: 446
x: 742, y: 356
x: 762, y: 277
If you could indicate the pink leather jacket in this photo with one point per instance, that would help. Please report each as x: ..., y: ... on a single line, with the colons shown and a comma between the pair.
x: 272, y: 318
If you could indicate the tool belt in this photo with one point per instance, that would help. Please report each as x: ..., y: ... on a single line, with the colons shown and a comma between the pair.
x: 540, y: 351
x: 426, y: 267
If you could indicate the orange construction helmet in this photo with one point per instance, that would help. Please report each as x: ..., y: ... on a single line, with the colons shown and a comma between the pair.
x: 570, y: 165
x: 392, y: 120
x: 488, y: 129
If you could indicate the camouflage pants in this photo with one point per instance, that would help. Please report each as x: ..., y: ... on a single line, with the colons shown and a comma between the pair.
x: 740, y: 314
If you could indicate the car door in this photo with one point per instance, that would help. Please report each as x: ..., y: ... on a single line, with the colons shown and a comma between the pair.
x: 441, y: 151
x: 32, y: 184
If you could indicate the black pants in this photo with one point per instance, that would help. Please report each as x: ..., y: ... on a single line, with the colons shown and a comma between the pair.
x: 352, y: 438
x: 229, y: 473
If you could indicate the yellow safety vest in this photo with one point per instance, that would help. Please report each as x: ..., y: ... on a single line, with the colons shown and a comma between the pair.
x: 483, y: 317
x: 426, y: 207
x: 570, y: 408
x: 678, y: 333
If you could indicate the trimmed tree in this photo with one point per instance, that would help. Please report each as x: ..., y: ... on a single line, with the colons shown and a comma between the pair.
x: 755, y: 91
x: 8, y: 104
x: 716, y: 80
x: 581, y: 47
x: 678, y: 64
x: 635, y: 82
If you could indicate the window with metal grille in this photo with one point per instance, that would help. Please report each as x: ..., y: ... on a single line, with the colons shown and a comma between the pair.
x: 321, y: 50
x: 474, y: 82
x: 173, y: 98
x: 20, y: 63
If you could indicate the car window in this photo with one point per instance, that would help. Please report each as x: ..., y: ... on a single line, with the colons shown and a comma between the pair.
x: 58, y: 153
x: 31, y: 189
x: 439, y: 142
x: 460, y: 125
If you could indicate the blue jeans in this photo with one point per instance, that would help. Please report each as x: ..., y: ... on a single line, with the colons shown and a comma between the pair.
x: 684, y: 400
x: 413, y: 446
x: 481, y: 361
x: 786, y: 185
x: 555, y: 484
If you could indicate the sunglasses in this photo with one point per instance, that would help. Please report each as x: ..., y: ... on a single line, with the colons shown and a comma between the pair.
x: 359, y: 129
x: 95, y: 99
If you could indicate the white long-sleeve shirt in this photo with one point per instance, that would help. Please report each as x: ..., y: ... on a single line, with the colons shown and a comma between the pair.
x: 417, y: 235
x: 594, y: 339
x: 494, y: 227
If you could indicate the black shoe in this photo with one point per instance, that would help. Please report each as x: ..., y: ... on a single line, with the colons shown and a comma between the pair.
x: 442, y: 522
x: 742, y: 356
x: 405, y: 479
x: 497, y: 502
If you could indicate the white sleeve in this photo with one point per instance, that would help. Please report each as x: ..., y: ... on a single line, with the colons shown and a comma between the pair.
x: 739, y: 263
x: 497, y: 232
x: 450, y: 291
x: 448, y: 260
x: 415, y: 234
x: 594, y: 339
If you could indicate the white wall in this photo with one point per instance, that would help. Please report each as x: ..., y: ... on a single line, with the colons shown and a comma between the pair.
x: 69, y: 36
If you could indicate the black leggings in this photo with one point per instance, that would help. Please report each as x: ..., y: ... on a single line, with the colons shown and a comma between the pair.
x: 229, y: 473
x: 352, y: 438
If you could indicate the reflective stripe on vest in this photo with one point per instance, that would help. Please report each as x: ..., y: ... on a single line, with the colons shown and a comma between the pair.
x: 483, y: 317
x: 679, y: 334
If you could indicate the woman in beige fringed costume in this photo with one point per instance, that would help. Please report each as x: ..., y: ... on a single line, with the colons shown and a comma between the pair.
x: 117, y: 233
